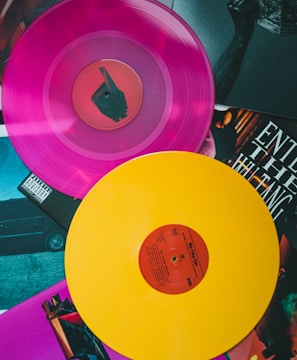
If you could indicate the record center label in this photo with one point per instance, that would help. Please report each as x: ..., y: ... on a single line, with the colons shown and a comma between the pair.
x: 107, y: 94
x: 173, y: 259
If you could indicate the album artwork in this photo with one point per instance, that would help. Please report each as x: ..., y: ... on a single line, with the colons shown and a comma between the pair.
x: 252, y: 45
x: 47, y: 326
x: 56, y: 204
x: 31, y: 242
x: 263, y: 149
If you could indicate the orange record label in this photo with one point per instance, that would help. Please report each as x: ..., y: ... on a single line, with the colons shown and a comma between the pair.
x: 173, y: 259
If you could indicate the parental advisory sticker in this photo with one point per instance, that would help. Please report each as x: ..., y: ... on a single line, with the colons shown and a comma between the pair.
x: 36, y: 188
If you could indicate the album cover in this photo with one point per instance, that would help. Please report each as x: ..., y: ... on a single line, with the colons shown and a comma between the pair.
x: 263, y: 149
x: 47, y: 326
x: 252, y: 46
x: 31, y: 242
x: 59, y: 206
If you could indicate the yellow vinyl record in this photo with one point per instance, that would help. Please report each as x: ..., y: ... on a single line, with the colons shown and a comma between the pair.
x: 171, y: 256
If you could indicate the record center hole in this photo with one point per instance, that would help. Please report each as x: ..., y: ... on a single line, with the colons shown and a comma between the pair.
x: 173, y: 259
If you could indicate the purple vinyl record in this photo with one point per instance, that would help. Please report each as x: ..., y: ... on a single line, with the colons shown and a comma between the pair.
x: 91, y: 84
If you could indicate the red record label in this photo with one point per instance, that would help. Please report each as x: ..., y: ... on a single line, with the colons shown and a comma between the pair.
x: 96, y: 92
x: 173, y: 259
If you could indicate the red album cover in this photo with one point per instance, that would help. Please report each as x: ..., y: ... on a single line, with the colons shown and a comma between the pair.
x: 252, y: 45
